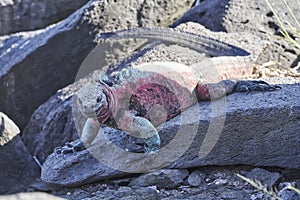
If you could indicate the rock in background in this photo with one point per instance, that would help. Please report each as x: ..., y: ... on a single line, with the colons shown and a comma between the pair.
x: 17, y: 167
x: 251, y: 16
x: 25, y: 15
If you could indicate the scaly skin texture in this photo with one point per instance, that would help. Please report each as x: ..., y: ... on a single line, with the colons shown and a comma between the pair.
x: 140, y: 98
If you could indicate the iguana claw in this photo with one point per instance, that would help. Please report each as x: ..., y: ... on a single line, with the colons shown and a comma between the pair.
x: 152, y: 144
x: 69, y: 148
x: 248, y: 86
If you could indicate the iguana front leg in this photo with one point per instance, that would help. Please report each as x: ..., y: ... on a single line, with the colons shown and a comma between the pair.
x: 143, y: 128
x: 89, y: 132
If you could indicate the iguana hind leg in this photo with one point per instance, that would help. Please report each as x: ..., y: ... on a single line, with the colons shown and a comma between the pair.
x: 217, y: 90
x: 248, y: 86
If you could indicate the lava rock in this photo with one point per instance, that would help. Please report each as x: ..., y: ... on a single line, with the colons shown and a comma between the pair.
x: 267, y: 178
x: 257, y: 18
x: 162, y: 179
x: 196, y: 178
x: 17, y: 167
x: 27, y: 15
x: 288, y: 195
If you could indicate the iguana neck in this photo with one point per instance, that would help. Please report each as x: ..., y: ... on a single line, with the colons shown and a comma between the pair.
x: 106, y: 113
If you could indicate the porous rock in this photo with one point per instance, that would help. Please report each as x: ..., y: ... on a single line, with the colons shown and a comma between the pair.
x: 165, y: 178
x: 17, y: 167
x: 251, y: 16
x: 42, y: 135
x: 196, y: 178
x: 265, y: 177
x: 288, y: 195
x: 25, y: 15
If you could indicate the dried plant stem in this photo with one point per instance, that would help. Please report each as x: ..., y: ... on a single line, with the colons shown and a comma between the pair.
x: 258, y: 185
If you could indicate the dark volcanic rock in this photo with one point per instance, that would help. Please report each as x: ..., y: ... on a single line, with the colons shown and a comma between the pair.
x: 25, y: 15
x: 17, y: 167
x: 287, y: 194
x: 196, y: 178
x: 42, y: 135
x: 162, y: 179
x: 265, y: 177
x: 251, y: 16
x: 34, y: 65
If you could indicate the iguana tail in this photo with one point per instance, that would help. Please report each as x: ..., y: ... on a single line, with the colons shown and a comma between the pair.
x: 199, y: 43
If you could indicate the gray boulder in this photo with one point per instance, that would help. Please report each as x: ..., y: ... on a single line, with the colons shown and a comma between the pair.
x: 41, y: 135
x: 252, y: 16
x: 17, y: 167
x: 196, y: 178
x: 267, y: 178
x: 165, y: 178
x: 27, y: 15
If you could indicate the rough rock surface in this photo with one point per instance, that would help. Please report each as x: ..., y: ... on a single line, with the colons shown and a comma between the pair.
x: 32, y: 61
x: 265, y: 177
x: 220, y: 183
x: 17, y: 167
x: 168, y: 179
x: 27, y: 15
x: 252, y: 16
x: 42, y: 135
x: 196, y: 178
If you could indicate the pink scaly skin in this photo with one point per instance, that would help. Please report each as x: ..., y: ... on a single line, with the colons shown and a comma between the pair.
x: 138, y: 99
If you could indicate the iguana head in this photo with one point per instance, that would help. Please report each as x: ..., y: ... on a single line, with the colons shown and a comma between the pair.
x: 92, y: 101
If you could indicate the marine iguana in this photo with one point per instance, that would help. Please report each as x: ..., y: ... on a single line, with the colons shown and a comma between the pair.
x: 138, y: 99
